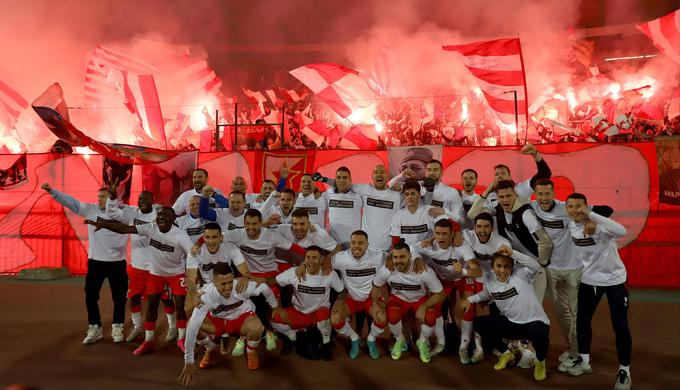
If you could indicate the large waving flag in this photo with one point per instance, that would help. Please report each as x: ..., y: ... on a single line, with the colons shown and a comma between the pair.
x: 196, y: 76
x: 499, y: 69
x: 11, y: 105
x: 384, y: 76
x: 665, y: 33
x: 52, y: 109
x: 340, y: 87
x: 361, y: 137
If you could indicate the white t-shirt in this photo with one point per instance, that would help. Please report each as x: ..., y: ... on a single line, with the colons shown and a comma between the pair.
x: 379, y: 208
x: 318, y: 237
x: 131, y: 215
x: 442, y: 260
x: 103, y: 245
x: 468, y: 201
x: 523, y: 190
x: 409, y: 286
x: 413, y: 227
x: 205, y: 261
x: 193, y: 226
x: 602, y: 265
x: 358, y: 274
x: 227, y: 221
x: 555, y: 222
x: 344, y: 214
x: 181, y: 205
x: 313, y: 292
x: 169, y: 251
x: 515, y: 298
x: 316, y: 208
x: 484, y: 252
x: 449, y: 199
x: 285, y: 219
x: 259, y: 253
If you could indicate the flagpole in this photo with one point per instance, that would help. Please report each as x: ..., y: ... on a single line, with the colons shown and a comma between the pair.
x: 217, y: 131
x: 516, y: 119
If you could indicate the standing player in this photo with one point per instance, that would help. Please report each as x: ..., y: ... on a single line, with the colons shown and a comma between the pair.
x: 308, y: 200
x: 238, y: 184
x: 200, y: 179
x: 106, y: 260
x: 281, y: 213
x: 344, y: 207
x: 603, y: 274
x: 449, y: 262
x: 192, y: 222
x: 228, y: 218
x: 305, y: 234
x: 230, y: 311
x: 412, y: 223
x: 411, y: 292
x: 311, y: 301
x: 358, y: 266
x: 138, y: 271
x: 468, y: 195
x: 171, y: 246
x: 521, y: 313
x: 445, y: 200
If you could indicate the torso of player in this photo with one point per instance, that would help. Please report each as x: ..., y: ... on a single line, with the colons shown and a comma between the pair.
x: 206, y: 261
x: 285, y: 219
x: 410, y: 286
x: 313, y: 292
x: 344, y: 214
x: 602, y: 265
x: 193, y: 226
x: 516, y: 298
x: 379, y: 208
x: 318, y: 237
x: 227, y: 221
x: 168, y: 253
x: 468, y: 201
x: 258, y: 253
x: 141, y: 258
x: 412, y: 227
x: 444, y: 196
x: 316, y: 208
x: 442, y: 260
x: 357, y: 275
x: 103, y: 244
x: 227, y: 308
x: 484, y: 252
x: 555, y: 222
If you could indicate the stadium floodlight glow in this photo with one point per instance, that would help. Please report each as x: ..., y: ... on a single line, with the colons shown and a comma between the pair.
x: 630, y: 57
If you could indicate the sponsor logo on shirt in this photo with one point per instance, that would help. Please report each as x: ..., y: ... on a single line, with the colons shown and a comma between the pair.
x: 343, y: 204
x: 382, y: 204
x: 405, y: 287
x: 225, y: 308
x: 231, y: 226
x: 583, y: 241
x: 559, y: 224
x: 437, y: 203
x: 481, y: 256
x: 161, y: 247
x: 253, y: 251
x: 444, y: 263
x: 104, y: 220
x: 207, y: 267
x: 499, y: 296
x: 414, y: 229
x: 196, y: 231
x: 311, y: 290
x: 357, y: 273
x: 310, y: 210
x: 138, y: 222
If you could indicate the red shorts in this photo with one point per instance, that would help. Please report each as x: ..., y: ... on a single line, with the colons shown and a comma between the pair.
x: 223, y: 326
x: 357, y: 306
x: 276, y: 289
x: 156, y: 284
x: 405, y: 307
x: 299, y: 320
x: 461, y: 285
x: 281, y: 267
x: 137, y: 283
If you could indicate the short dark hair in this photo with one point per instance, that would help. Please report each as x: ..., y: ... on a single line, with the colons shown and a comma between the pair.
x: 497, y: 256
x: 360, y: 233
x: 445, y: 223
x: 503, y: 184
x: 315, y: 248
x: 222, y: 268
x: 411, y: 185
x: 213, y: 226
x: 147, y: 192
x: 200, y: 170
x: 578, y: 195
x: 484, y: 216
x: 289, y: 191
x: 470, y: 170
x: 401, y: 244
x: 174, y: 215
x: 238, y: 193
x: 544, y: 182
x: 269, y: 181
x: 343, y: 169
x: 502, y: 166
x: 253, y: 213
x: 300, y: 213
x: 435, y: 161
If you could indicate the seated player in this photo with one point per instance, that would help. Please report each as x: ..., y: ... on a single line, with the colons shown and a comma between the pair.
x: 521, y: 313
x: 230, y: 311
x: 358, y: 266
x: 311, y: 301
x: 410, y: 292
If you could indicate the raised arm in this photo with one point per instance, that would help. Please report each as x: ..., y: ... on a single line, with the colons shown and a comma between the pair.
x: 114, y: 226
x: 612, y: 227
x: 65, y: 200
x: 205, y: 211
x: 542, y: 169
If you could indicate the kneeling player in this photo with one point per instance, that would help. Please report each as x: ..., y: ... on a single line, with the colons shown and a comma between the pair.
x: 522, y: 315
x: 409, y: 294
x: 357, y: 267
x: 311, y: 301
x: 230, y: 312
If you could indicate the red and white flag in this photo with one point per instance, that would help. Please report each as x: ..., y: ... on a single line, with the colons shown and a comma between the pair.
x: 665, y: 33
x: 499, y: 69
x: 289, y: 95
x: 383, y: 75
x: 340, y: 87
x: 141, y: 98
x: 196, y: 77
x: 361, y: 137
x: 11, y: 105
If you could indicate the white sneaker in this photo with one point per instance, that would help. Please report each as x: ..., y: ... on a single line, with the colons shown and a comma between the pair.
x: 94, y: 334
x: 579, y: 367
x: 463, y: 356
x: 566, y: 363
x: 117, y: 333
x: 439, y: 348
x: 171, y: 335
x: 134, y: 333
x: 623, y: 381
x: 564, y: 356
x: 477, y: 355
x: 528, y: 359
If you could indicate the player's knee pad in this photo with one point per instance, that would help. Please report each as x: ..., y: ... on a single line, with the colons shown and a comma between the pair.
x: 469, y: 314
x: 431, y: 317
x: 394, y: 314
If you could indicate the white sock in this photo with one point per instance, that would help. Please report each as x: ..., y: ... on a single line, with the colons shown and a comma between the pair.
x: 439, y: 331
x: 478, y: 341
x: 374, y: 332
x: 148, y: 335
x: 182, y: 333
x: 171, y: 320
x: 325, y: 329
x: 137, y: 320
x: 585, y: 357
x: 425, y: 332
x: 347, y: 331
x: 285, y: 330
x: 396, y: 330
x: 626, y: 369
x: 465, y: 333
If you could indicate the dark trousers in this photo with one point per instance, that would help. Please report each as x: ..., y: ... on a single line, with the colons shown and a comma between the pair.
x: 588, y: 299
x: 493, y: 328
x: 115, y: 272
